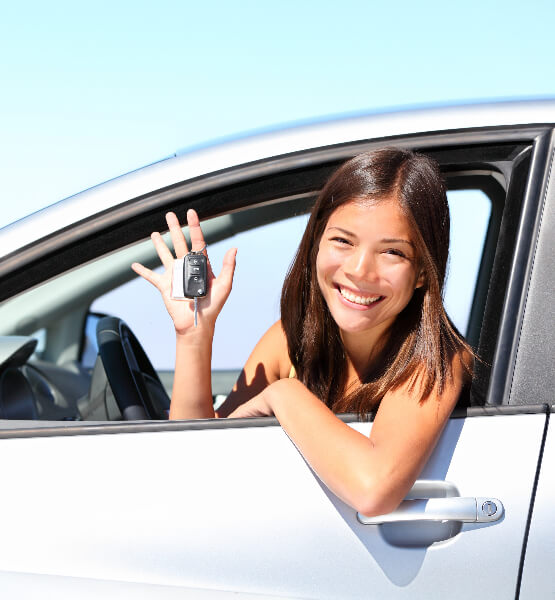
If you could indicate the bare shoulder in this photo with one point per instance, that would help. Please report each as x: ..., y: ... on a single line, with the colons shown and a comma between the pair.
x: 404, y: 410
x: 272, y: 351
x: 268, y: 362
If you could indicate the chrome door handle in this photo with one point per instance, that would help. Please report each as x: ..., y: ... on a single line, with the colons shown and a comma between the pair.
x: 467, y: 510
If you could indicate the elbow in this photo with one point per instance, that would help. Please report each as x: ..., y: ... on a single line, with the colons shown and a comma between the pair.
x: 374, y: 499
x: 373, y: 507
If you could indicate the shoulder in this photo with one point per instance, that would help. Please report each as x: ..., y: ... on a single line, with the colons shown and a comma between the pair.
x: 412, y: 398
x: 274, y: 345
x: 272, y: 352
x: 268, y: 363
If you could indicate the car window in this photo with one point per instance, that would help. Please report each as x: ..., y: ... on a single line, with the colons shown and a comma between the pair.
x: 470, y: 214
x: 264, y: 255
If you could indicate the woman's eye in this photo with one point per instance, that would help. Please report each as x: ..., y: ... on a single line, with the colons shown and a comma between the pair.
x: 396, y: 252
x: 340, y: 240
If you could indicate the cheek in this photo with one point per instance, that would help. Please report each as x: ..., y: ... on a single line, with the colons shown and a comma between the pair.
x: 320, y: 268
x: 326, y: 265
x: 407, y: 282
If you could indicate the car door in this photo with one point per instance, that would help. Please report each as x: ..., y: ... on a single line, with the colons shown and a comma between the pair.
x: 235, y: 507
x: 537, y: 576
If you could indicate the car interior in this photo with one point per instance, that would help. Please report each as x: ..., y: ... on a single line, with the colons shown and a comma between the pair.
x: 46, y: 309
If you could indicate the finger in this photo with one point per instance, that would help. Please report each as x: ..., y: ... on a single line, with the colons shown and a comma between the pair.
x: 164, y: 254
x: 176, y: 233
x: 210, y: 270
x: 147, y: 274
x: 240, y: 412
x: 197, y: 239
x: 228, y: 267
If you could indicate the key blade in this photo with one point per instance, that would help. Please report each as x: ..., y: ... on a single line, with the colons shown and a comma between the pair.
x: 196, y: 310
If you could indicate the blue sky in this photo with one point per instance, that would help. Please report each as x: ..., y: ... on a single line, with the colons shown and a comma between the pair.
x: 94, y: 89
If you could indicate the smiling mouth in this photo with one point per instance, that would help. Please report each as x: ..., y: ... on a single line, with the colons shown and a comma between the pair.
x: 357, y: 298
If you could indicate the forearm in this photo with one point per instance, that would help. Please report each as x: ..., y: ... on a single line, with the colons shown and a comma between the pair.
x: 344, y: 459
x: 372, y: 478
x: 192, y: 386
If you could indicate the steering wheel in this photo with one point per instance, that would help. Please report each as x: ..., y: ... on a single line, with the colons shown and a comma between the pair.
x: 138, y: 391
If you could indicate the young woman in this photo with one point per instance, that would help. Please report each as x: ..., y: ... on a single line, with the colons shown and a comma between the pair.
x: 362, y: 329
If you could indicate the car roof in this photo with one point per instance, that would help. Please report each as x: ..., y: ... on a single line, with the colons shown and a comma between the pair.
x: 263, y: 146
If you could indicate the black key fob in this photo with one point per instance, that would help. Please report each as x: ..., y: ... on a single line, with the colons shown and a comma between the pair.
x: 195, y: 274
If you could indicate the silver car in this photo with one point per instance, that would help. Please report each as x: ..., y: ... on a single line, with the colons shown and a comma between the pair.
x: 101, y: 495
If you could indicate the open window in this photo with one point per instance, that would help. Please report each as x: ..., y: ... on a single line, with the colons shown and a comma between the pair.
x: 264, y: 216
x: 266, y: 249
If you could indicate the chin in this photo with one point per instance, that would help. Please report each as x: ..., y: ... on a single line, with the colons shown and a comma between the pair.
x: 348, y: 324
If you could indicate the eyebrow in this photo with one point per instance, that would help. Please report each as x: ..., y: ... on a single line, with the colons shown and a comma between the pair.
x: 383, y: 241
x: 397, y: 241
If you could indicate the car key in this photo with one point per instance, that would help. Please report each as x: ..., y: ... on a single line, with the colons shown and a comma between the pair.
x: 194, y: 277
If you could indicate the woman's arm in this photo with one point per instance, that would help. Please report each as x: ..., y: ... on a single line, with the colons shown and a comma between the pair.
x: 192, y: 393
x: 373, y: 474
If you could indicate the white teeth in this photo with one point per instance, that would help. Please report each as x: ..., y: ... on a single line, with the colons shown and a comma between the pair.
x: 358, y: 299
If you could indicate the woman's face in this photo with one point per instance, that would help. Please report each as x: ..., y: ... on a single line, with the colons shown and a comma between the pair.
x: 367, y: 267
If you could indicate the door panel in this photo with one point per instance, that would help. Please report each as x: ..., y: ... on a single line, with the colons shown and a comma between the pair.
x: 538, y: 580
x: 238, y: 509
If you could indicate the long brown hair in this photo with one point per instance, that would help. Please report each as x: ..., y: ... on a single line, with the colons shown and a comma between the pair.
x: 422, y: 340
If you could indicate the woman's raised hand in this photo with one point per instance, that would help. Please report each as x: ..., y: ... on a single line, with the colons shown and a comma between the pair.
x: 218, y: 288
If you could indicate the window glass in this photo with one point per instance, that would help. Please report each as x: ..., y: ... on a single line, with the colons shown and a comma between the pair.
x: 470, y: 213
x: 263, y: 257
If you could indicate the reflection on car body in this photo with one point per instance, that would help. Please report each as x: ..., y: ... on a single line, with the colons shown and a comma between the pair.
x: 96, y: 503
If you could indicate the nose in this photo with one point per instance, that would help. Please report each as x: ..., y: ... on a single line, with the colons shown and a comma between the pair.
x: 362, y: 266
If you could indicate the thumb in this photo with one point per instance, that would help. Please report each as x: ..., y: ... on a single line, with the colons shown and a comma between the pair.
x: 228, y: 267
x: 150, y: 276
